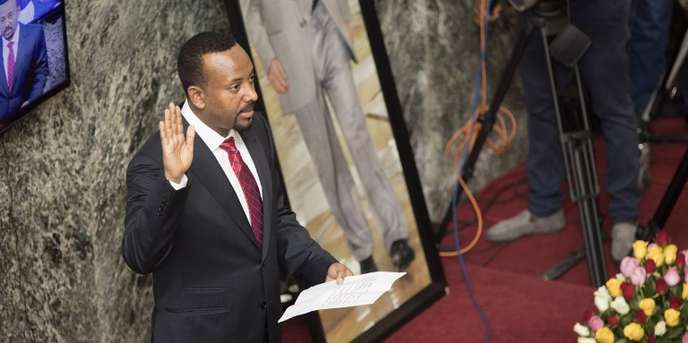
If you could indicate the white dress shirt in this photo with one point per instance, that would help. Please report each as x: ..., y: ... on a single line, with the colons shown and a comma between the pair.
x: 213, y: 140
x: 6, y: 50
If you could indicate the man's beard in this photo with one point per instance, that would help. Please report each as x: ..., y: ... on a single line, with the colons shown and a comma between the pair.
x: 239, y: 125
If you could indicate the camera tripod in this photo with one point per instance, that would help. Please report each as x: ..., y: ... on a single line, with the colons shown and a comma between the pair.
x: 565, y: 44
x: 666, y: 205
x: 678, y: 181
x: 666, y: 89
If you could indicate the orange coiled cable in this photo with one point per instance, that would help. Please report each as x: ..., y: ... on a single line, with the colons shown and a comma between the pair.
x: 505, y: 129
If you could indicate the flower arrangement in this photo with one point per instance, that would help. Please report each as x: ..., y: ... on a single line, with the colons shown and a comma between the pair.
x: 646, y: 302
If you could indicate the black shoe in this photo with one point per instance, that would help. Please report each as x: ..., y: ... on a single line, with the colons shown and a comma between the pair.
x: 368, y: 265
x: 402, y: 255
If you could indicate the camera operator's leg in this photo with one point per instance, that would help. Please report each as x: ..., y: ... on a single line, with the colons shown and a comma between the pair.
x: 545, y: 165
x: 605, y: 71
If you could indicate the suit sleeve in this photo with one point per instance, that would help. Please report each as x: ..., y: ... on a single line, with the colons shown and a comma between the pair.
x: 256, y: 31
x: 298, y: 252
x: 40, y: 67
x: 153, y: 211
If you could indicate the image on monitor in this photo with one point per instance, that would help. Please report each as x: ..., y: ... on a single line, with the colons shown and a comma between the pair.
x: 34, y: 55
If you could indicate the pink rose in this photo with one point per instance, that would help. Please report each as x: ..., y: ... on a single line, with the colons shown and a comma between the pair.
x: 638, y: 276
x: 595, y: 323
x: 685, y: 338
x: 671, y: 277
x: 685, y: 272
x: 628, y: 265
x: 685, y: 256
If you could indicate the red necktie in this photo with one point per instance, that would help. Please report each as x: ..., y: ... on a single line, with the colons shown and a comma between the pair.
x: 10, y: 65
x: 248, y: 186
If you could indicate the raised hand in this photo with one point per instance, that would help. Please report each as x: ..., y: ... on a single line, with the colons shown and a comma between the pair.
x: 177, y: 149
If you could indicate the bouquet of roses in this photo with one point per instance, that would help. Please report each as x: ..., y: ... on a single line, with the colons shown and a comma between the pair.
x: 646, y: 302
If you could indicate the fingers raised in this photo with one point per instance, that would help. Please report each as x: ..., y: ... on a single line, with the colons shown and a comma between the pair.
x: 190, y: 134
x: 178, y: 121
x: 163, y: 133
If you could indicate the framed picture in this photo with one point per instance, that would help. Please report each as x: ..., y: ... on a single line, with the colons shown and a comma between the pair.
x: 327, y: 90
x: 34, y: 64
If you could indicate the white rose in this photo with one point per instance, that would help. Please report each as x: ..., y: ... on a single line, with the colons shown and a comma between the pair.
x: 602, y: 298
x: 660, y: 328
x: 620, y: 277
x: 620, y: 305
x: 586, y: 340
x: 601, y: 303
x: 581, y: 330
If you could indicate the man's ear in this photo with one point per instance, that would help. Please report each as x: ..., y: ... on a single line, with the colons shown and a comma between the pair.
x: 197, y: 97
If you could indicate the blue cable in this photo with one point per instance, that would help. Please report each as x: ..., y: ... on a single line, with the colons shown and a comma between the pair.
x: 455, y: 225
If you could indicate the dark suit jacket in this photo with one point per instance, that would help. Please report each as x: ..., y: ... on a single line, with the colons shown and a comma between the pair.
x: 30, y: 71
x: 211, y: 281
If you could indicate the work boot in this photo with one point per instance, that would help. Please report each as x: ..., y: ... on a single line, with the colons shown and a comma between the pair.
x: 525, y: 223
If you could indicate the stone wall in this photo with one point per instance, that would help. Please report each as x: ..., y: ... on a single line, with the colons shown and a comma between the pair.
x: 62, y: 278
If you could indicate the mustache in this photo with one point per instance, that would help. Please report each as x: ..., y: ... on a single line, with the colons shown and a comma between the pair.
x: 248, y: 107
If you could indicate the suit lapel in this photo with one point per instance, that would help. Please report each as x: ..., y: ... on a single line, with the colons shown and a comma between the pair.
x: 207, y: 171
x: 257, y: 152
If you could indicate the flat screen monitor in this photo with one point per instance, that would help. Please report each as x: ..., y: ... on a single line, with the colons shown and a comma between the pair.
x: 34, y: 56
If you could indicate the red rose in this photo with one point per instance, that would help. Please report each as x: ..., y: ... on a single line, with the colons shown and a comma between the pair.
x: 651, y: 339
x: 661, y: 286
x: 628, y: 290
x: 587, y: 315
x: 650, y: 266
x: 662, y: 238
x: 675, y: 303
x: 613, y: 320
x: 640, y: 316
x: 681, y: 260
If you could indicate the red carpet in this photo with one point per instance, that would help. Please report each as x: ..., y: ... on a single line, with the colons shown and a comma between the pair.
x: 507, y: 277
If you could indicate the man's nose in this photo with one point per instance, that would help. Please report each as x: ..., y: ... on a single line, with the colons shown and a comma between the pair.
x: 252, y: 95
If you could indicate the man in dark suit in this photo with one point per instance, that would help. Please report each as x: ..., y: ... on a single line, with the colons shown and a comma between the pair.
x: 208, y: 215
x: 24, y: 62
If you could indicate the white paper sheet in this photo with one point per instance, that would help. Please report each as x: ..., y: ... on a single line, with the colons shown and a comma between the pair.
x: 356, y: 290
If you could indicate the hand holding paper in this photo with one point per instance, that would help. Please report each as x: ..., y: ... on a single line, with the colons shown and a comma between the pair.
x: 354, y: 291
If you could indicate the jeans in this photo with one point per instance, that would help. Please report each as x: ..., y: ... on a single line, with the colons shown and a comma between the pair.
x: 605, y: 73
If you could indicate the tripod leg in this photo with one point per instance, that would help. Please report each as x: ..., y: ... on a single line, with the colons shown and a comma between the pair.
x: 666, y: 205
x: 576, y: 143
x: 683, y: 52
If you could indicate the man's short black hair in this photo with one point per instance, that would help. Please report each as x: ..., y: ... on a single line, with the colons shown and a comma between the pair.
x: 190, y: 58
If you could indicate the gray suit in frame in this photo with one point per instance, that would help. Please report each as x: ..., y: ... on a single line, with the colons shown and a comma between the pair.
x: 315, y: 50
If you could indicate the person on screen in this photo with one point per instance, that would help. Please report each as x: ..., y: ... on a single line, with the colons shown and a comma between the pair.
x: 207, y: 213
x: 307, y: 49
x: 32, y: 10
x: 24, y: 62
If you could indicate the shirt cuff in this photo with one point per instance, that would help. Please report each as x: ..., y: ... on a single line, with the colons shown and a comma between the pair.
x: 181, y: 184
